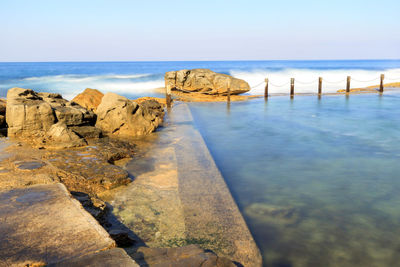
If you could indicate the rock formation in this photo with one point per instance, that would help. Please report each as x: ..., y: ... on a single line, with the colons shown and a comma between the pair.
x: 55, y: 122
x: 205, y: 81
x: 60, y: 136
x: 27, y: 114
x: 48, y: 118
x: 119, y: 116
x: 89, y: 99
x: 3, y: 125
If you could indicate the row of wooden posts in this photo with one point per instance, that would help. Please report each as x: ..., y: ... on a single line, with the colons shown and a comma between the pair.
x: 348, y: 80
x: 228, y: 98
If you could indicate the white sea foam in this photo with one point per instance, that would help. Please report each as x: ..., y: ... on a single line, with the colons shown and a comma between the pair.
x: 70, y: 85
x: 306, y: 80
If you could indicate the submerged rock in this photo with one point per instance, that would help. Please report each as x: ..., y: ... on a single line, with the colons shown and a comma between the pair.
x: 273, y: 214
x: 89, y: 99
x: 205, y: 81
x: 117, y: 115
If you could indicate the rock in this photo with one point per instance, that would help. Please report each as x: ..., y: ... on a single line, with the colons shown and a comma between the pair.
x: 87, y: 132
x: 205, y: 81
x: 73, y: 114
x: 264, y: 212
x: 117, y: 115
x: 96, y: 207
x: 27, y: 114
x: 160, y: 100
x: 3, y: 104
x: 121, y: 237
x: 60, y: 136
x: 2, y: 120
x: 55, y: 100
x: 89, y: 99
x: 191, y: 255
x: 154, y: 108
x: 69, y: 112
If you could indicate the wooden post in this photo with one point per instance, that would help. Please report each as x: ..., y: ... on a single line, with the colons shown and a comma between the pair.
x: 229, y: 94
x: 348, y: 85
x: 266, y: 88
x: 168, y: 95
x: 381, y: 85
x: 319, y: 86
x: 291, y: 87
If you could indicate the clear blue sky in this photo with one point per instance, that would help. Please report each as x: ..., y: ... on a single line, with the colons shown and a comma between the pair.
x: 122, y: 30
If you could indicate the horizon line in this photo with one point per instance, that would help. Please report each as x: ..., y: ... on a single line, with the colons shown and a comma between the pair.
x: 229, y: 60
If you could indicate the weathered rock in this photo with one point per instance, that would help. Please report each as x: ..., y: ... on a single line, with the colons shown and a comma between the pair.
x: 88, y: 169
x: 2, y: 120
x: 73, y: 114
x: 89, y: 99
x: 60, y: 136
x: 205, y: 81
x: 27, y: 114
x: 69, y: 112
x: 87, y: 132
x: 121, y: 237
x: 96, y: 207
x: 273, y: 214
x: 3, y: 104
x: 54, y: 99
x: 117, y: 115
x: 191, y: 255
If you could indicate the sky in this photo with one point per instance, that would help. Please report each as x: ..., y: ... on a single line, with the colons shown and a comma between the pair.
x: 123, y: 30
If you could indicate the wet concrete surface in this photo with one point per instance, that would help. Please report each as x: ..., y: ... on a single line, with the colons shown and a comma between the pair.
x: 43, y: 224
x: 178, y: 196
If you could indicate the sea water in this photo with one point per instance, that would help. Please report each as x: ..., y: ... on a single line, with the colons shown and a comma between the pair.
x: 135, y: 79
x: 317, y: 181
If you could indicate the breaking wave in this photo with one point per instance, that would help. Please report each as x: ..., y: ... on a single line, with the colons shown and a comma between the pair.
x: 135, y: 85
x: 71, y: 85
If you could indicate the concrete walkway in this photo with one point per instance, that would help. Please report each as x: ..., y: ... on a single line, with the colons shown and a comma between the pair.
x: 179, y: 197
x: 43, y: 224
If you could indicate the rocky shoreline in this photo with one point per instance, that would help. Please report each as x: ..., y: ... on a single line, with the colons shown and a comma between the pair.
x: 84, y: 145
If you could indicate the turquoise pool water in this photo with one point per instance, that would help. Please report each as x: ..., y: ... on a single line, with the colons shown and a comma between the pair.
x: 318, y: 182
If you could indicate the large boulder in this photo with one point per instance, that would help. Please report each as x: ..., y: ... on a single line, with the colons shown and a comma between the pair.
x: 69, y: 112
x: 49, y: 118
x: 117, y: 115
x: 27, y: 114
x: 205, y: 81
x: 74, y: 115
x: 89, y: 99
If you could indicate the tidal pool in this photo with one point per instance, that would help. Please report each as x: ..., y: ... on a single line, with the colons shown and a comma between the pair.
x: 318, y: 181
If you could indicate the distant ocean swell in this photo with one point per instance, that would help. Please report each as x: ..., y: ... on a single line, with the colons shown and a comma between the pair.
x: 306, y: 81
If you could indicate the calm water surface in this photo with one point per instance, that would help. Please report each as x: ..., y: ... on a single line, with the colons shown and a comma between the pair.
x: 317, y: 181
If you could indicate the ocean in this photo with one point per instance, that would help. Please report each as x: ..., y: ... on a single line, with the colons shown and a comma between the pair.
x: 135, y: 79
x: 317, y: 181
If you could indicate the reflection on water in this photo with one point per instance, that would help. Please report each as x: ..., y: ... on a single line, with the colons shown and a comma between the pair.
x: 317, y: 180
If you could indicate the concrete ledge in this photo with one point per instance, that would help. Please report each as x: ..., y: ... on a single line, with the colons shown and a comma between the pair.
x: 43, y: 224
x: 116, y: 257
